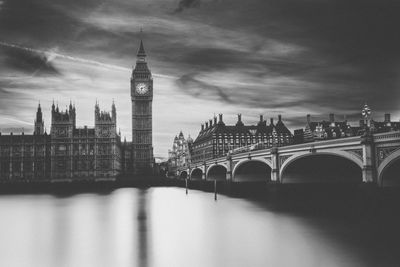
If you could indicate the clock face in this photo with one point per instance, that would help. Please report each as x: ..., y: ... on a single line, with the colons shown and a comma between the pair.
x: 142, y: 88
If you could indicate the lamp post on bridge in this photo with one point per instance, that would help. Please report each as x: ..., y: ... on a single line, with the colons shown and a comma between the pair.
x: 187, y: 179
x: 366, y: 113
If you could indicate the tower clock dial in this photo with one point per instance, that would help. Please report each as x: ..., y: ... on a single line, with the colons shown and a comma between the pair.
x: 142, y: 88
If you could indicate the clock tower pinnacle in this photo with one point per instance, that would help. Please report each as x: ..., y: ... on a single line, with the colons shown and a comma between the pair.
x: 142, y: 128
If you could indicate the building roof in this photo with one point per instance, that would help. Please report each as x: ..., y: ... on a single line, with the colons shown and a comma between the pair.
x: 261, y: 129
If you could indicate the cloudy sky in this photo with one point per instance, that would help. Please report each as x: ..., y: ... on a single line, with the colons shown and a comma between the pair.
x: 270, y: 57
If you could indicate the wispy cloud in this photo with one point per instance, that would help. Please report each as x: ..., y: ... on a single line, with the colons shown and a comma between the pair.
x: 183, y: 4
x: 50, y: 55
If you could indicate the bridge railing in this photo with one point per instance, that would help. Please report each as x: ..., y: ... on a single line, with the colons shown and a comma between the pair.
x: 252, y: 147
x: 389, y: 135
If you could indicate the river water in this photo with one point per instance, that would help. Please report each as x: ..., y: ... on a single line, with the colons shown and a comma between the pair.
x: 166, y: 227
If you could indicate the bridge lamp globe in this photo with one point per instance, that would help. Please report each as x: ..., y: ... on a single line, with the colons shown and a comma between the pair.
x: 366, y: 113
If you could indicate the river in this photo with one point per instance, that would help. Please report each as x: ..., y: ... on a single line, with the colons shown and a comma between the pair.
x: 165, y: 227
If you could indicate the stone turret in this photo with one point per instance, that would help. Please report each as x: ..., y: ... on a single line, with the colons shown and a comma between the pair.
x: 39, y: 124
x: 105, y: 123
x: 63, y: 122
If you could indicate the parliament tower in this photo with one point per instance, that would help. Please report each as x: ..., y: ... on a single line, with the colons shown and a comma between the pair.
x: 142, y: 99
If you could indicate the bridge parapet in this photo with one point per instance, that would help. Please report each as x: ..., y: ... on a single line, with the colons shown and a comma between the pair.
x: 385, y: 137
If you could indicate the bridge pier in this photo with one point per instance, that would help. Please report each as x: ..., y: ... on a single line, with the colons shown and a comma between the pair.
x: 275, y: 165
x: 368, y: 170
x: 228, y: 182
x: 204, y: 176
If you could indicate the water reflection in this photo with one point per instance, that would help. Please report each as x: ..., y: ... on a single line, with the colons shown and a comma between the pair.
x: 166, y: 227
x: 142, y: 229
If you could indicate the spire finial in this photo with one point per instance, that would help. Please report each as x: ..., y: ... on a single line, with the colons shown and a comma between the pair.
x: 141, y: 53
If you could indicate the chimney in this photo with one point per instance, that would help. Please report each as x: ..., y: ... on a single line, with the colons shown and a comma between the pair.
x: 387, y: 117
x: 220, y: 118
x: 202, y: 127
x: 332, y: 117
x: 308, y: 118
x: 206, y: 125
x: 210, y: 123
x: 239, y: 122
x: 271, y: 121
x: 261, y: 118
x: 279, y: 117
x: 215, y: 120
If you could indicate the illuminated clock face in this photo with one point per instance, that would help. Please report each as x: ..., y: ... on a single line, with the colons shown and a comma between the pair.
x: 142, y: 88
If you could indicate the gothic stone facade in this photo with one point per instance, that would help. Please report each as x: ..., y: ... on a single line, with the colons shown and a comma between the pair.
x: 67, y: 154
x: 84, y: 153
x: 26, y: 157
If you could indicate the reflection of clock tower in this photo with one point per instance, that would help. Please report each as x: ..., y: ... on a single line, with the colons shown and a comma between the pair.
x: 142, y: 98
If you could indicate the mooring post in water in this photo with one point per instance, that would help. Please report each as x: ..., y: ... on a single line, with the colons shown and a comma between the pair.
x: 186, y: 183
x: 215, y: 189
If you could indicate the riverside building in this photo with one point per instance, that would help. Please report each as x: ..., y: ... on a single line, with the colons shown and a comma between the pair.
x: 216, y: 139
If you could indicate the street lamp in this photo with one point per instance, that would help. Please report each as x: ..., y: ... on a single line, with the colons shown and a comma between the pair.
x: 366, y: 113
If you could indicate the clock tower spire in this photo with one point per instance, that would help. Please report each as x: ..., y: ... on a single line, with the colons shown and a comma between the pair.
x: 142, y: 130
x: 141, y: 54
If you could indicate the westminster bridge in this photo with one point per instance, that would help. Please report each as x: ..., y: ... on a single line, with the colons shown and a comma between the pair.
x: 373, y: 158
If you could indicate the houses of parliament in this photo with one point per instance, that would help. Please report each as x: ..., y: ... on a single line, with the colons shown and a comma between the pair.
x: 69, y: 153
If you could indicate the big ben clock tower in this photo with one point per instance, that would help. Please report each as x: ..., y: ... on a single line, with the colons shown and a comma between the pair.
x: 142, y: 99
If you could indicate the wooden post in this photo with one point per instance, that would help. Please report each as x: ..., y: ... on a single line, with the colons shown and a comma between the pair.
x: 186, y: 183
x: 215, y: 189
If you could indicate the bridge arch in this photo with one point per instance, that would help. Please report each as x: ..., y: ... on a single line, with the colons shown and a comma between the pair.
x: 332, y: 166
x: 250, y: 170
x: 216, y: 172
x: 183, y: 175
x: 196, y: 174
x: 389, y: 169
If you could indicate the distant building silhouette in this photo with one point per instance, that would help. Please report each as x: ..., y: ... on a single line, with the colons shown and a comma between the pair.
x: 180, y: 154
x: 387, y: 125
x: 332, y: 129
x: 323, y: 130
